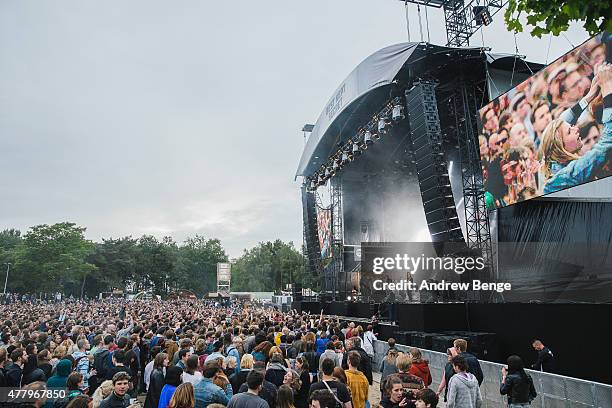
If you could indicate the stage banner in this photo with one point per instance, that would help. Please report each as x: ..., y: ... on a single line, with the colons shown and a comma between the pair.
x: 324, y: 220
x: 553, y: 131
x: 224, y: 273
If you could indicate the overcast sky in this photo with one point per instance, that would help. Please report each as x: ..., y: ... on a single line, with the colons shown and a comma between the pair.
x: 166, y: 118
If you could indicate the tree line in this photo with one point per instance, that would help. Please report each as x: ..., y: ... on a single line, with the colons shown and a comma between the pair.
x: 58, y: 258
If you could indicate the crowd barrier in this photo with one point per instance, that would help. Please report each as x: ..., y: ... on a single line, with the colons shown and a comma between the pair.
x: 554, y: 391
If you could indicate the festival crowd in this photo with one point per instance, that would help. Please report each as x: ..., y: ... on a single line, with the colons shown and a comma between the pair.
x: 551, y: 132
x: 199, y: 353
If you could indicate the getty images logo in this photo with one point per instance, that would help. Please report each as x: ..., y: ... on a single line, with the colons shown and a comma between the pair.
x: 412, y: 264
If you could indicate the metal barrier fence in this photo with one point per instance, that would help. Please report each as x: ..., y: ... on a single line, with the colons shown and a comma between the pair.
x: 554, y: 391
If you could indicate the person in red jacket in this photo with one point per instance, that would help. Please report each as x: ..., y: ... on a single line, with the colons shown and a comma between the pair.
x: 420, y: 367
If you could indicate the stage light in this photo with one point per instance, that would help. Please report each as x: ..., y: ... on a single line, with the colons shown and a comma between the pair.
x: 367, y: 138
x: 397, y: 113
x: 345, y: 157
x: 356, y: 150
x: 348, y: 298
x: 375, y: 136
x: 382, y: 126
x: 313, y: 185
x: 482, y: 16
x: 335, y: 166
x: 327, y: 173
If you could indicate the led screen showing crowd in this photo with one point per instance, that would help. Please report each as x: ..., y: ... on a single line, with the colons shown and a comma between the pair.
x: 553, y: 131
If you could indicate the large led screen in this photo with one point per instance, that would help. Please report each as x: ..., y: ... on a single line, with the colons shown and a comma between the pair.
x: 324, y: 218
x: 553, y: 131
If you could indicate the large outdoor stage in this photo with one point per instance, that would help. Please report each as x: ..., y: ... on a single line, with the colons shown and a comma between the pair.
x: 395, y: 158
x: 571, y: 331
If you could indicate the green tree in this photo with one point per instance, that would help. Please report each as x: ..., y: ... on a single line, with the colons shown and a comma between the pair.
x: 269, y: 266
x: 155, y: 264
x: 53, y: 257
x: 116, y: 262
x: 554, y: 16
x: 197, y: 264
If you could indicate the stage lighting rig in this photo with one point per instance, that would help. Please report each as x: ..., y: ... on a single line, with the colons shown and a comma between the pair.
x: 356, y: 150
x: 397, y: 113
x: 382, y: 126
x: 482, y: 16
x: 367, y: 138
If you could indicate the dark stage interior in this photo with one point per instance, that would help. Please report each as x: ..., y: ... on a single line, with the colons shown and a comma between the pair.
x: 572, y: 331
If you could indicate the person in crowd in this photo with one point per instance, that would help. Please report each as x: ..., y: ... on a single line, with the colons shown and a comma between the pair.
x: 232, y: 350
x: 330, y: 352
x: 80, y: 401
x: 292, y: 379
x: 561, y: 144
x: 14, y: 372
x: 589, y: 135
x: 103, y: 391
x: 420, y: 366
x: 250, y: 398
x: 356, y: 380
x: 207, y: 392
x: 517, y: 384
x: 3, y: 361
x: 463, y: 387
x: 183, y: 356
x: 388, y: 367
x: 471, y: 360
x: 369, y: 337
x: 449, y: 371
x: 393, y: 393
x: 301, y: 366
x: 81, y: 357
x: 172, y: 381
x: 157, y: 380
x: 409, y: 381
x: 150, y: 366
x: 332, y: 384
x: 426, y: 398
x: 239, y: 378
x: 74, y: 389
x: 183, y: 396
x: 44, y: 362
x: 37, y: 387
x: 191, y: 373
x: 276, y: 370
x: 322, y: 399
x: 268, y: 391
x: 285, y: 397
x: 261, y: 351
x: 31, y: 372
x: 184, y: 344
x: 62, y: 371
x: 119, y: 398
x: 546, y: 359
x: 321, y: 343
x: 365, y: 363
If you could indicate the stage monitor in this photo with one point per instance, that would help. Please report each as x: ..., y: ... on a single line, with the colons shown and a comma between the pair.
x: 551, y: 132
x: 324, y: 216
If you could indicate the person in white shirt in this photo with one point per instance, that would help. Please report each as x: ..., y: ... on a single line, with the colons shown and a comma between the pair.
x: 368, y: 340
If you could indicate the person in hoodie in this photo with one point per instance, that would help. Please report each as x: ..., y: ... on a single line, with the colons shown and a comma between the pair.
x: 472, y: 362
x: 330, y: 353
x: 275, y: 373
x: 463, y: 388
x: 60, y: 379
x: 420, y: 366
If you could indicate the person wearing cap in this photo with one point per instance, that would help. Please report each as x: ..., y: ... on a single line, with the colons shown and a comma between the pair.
x: 561, y: 144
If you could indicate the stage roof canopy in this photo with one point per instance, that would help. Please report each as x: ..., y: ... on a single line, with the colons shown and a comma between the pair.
x: 368, y: 84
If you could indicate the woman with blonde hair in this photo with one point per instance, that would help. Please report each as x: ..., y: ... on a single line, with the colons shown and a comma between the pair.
x: 239, y: 378
x: 58, y: 354
x: 103, y: 391
x: 183, y: 397
x: 561, y: 144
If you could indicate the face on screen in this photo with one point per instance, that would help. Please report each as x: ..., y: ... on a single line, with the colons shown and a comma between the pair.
x: 549, y: 132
